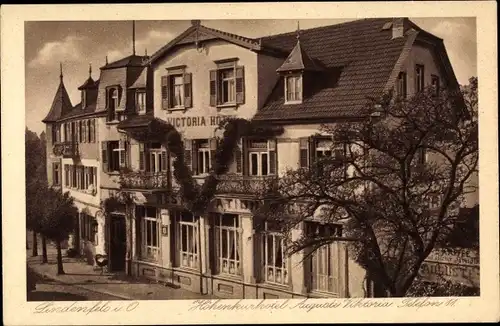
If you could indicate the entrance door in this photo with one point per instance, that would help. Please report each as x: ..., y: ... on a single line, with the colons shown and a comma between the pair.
x: 118, y: 243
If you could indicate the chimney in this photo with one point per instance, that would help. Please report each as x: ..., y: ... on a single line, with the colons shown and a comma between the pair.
x: 398, y: 27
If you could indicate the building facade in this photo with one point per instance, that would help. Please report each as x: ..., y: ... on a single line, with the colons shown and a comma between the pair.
x: 294, y: 80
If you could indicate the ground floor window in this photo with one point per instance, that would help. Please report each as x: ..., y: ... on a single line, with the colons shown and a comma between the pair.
x: 187, y: 239
x: 227, y: 244
x: 87, y: 224
x: 149, y: 232
x: 324, y: 266
x: 274, y: 259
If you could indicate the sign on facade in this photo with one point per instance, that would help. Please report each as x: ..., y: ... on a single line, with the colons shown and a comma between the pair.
x: 457, y: 265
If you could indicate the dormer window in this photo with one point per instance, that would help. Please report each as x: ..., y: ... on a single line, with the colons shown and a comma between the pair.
x: 293, y: 89
x: 140, y: 102
x: 84, y: 99
x: 113, y: 103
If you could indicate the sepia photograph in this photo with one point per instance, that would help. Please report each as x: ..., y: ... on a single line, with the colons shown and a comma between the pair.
x: 193, y: 159
x: 246, y: 165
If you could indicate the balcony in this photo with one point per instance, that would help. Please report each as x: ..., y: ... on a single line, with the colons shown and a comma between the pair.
x: 66, y: 149
x: 247, y: 185
x: 139, y: 180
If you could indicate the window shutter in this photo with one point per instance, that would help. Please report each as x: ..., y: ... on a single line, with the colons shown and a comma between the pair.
x: 141, y: 156
x: 164, y: 92
x: 271, y: 145
x: 104, y: 150
x: 240, y: 85
x: 304, y: 152
x: 194, y: 157
x: 213, y: 150
x: 238, y: 157
x: 213, y: 87
x: 312, y: 150
x: 188, y: 152
x: 188, y: 98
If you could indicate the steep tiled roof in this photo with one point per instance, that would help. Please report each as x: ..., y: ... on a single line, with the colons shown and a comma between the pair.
x: 60, y: 105
x: 359, y: 57
x: 89, y: 83
x: 130, y: 61
x: 299, y: 60
x: 141, y: 81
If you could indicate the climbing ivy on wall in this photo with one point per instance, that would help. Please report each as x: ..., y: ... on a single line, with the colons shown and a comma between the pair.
x: 197, y: 198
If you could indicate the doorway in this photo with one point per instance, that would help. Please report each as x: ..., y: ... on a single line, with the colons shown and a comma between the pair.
x: 118, y: 243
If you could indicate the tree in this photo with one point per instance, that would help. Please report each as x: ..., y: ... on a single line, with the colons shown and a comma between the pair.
x: 36, y: 180
x: 394, y: 184
x: 58, y: 220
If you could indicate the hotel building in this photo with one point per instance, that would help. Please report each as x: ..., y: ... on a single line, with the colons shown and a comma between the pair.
x: 296, y: 80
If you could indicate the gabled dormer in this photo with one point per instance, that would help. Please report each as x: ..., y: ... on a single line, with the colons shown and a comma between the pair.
x: 88, y: 90
x: 298, y: 68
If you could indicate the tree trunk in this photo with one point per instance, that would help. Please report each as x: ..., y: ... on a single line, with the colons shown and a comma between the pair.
x: 35, y: 246
x: 60, y: 269
x: 128, y: 231
x: 44, y: 250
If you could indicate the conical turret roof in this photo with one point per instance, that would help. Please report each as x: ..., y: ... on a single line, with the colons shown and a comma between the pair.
x: 60, y: 105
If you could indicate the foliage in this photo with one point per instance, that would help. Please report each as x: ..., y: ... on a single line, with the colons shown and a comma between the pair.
x: 36, y: 178
x: 59, y: 214
x: 465, y: 233
x: 420, y: 288
x: 196, y: 197
x: 384, y: 200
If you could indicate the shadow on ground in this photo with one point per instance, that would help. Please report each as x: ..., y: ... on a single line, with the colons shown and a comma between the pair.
x: 54, y: 296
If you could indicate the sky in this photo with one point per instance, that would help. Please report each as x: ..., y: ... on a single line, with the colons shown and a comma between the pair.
x: 78, y: 44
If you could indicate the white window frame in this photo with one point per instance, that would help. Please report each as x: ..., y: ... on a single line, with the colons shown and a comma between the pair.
x: 297, y: 92
x: 324, y: 263
x: 177, y: 82
x: 259, y: 163
x: 140, y: 100
x: 148, y: 250
x: 231, y: 85
x: 402, y: 85
x: 189, y: 256
x: 323, y: 146
x: 226, y: 264
x: 121, y: 155
x: 205, y: 153
x: 156, y: 155
x: 270, y: 269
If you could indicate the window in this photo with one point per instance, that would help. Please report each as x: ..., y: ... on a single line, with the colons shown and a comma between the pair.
x: 113, y: 104
x: 66, y: 175
x: 401, y: 85
x: 421, y: 156
x: 56, y: 170
x: 140, y: 99
x: 274, y: 259
x: 227, y: 244
x: 73, y: 176
x: 323, y: 148
x: 150, y: 233
x: 186, y: 239
x: 435, y: 85
x: 203, y: 159
x: 176, y: 89
x: 262, y: 157
x: 419, y: 78
x: 114, y: 157
x: 87, y: 223
x: 323, y: 263
x: 227, y: 85
x: 56, y: 133
x: 157, y: 158
x: 293, y: 89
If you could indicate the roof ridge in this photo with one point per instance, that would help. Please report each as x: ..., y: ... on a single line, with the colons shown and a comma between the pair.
x: 321, y: 27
